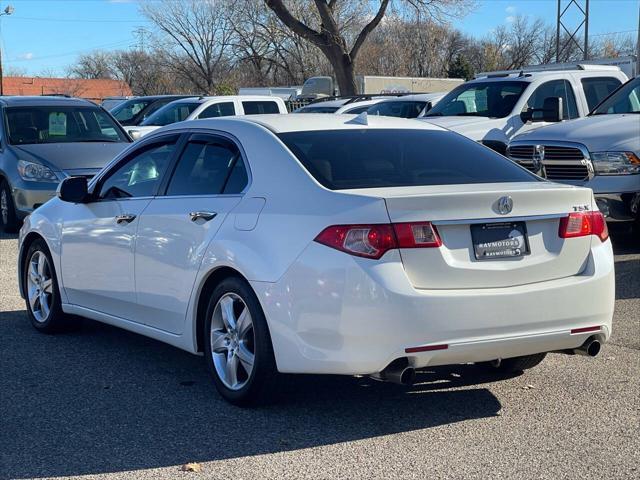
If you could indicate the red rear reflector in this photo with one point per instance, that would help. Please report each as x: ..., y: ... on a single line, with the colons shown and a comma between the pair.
x: 582, y: 224
x: 585, y: 329
x: 426, y: 348
x: 373, y: 241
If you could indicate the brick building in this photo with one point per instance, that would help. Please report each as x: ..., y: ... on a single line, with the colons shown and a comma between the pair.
x: 95, y: 89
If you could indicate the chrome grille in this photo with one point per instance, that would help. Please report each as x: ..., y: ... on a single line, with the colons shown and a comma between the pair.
x: 561, y: 162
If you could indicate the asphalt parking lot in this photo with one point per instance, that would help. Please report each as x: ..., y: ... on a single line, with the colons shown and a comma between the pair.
x: 102, y: 402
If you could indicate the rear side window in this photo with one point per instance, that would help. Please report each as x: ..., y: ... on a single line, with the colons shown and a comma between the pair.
x: 369, y: 158
x: 259, y: 107
x: 224, y: 109
x: 209, y: 168
x: 599, y: 88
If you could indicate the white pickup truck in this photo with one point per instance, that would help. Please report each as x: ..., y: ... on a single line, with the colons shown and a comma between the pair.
x: 495, y: 107
x: 601, y: 151
x: 194, y: 108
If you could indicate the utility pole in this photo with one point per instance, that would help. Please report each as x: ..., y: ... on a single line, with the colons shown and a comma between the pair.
x: 582, y: 8
x: 7, y: 11
x: 141, y: 34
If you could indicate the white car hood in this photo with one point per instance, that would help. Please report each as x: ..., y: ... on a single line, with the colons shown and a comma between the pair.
x: 454, y: 122
x: 475, y: 128
x: 615, y: 132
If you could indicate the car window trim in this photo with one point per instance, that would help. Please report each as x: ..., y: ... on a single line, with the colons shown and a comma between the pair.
x: 155, y: 141
x: 188, y: 136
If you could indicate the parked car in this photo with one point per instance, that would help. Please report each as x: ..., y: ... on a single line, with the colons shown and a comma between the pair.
x: 135, y: 110
x: 109, y: 103
x: 196, y: 108
x: 601, y: 151
x: 395, y: 245
x: 406, y: 106
x: 45, y: 140
x: 493, y: 108
x: 325, y: 106
x: 358, y: 107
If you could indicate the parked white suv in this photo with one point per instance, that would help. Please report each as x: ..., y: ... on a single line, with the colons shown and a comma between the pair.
x: 493, y: 108
x: 208, y: 107
x: 601, y: 151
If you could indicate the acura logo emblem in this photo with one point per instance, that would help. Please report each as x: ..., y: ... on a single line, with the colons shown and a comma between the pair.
x: 505, y: 205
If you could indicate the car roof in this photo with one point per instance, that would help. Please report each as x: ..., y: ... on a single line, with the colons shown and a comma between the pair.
x: 37, y: 101
x: 416, y: 97
x: 298, y: 122
x: 328, y: 103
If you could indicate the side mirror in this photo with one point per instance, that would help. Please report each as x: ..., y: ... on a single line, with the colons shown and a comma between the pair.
x: 73, y: 190
x: 552, y: 109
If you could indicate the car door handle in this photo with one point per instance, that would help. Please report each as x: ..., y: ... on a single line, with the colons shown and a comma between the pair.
x: 206, y: 216
x: 126, y: 218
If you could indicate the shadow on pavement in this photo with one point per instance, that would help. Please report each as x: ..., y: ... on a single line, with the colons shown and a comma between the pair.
x: 105, y: 400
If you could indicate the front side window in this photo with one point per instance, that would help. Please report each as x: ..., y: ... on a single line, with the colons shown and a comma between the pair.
x: 494, y: 99
x: 171, y: 113
x: 224, y: 109
x: 54, y: 124
x: 397, y: 109
x: 625, y: 100
x: 140, y: 176
x: 554, y: 88
x: 598, y: 88
x: 370, y: 158
x: 128, y: 110
x: 209, y: 167
x: 259, y: 107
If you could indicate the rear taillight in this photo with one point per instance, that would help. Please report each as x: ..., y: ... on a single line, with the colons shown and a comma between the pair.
x: 581, y: 224
x: 373, y: 241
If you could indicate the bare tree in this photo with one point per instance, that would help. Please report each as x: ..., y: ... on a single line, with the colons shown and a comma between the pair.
x: 331, y: 32
x: 92, y: 65
x: 196, y: 38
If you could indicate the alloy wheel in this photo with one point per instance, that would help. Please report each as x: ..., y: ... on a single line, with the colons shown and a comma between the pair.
x: 39, y: 286
x: 232, y: 340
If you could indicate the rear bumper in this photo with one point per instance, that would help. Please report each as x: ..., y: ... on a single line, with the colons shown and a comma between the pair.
x: 336, y: 314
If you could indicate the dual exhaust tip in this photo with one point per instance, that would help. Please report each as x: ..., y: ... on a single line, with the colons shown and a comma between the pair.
x: 399, y: 372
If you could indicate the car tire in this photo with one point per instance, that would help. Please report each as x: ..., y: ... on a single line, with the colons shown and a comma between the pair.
x: 238, y: 349
x: 44, y: 306
x: 9, y: 222
x: 515, y: 364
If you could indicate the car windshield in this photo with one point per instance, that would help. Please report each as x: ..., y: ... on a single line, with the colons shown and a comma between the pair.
x: 316, y: 109
x: 171, y: 113
x: 398, y: 108
x: 480, y: 99
x: 60, y: 124
x: 624, y: 100
x: 126, y: 111
x: 369, y: 158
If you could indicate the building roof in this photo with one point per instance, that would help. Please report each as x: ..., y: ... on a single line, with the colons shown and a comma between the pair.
x: 90, y: 89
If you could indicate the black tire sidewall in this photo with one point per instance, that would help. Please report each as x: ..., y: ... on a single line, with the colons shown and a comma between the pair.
x: 12, y: 219
x: 56, y: 320
x: 264, y: 369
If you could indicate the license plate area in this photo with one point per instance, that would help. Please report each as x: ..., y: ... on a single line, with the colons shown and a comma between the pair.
x: 493, y: 241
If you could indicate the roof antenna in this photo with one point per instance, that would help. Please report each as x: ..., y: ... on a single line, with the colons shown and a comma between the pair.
x: 521, y: 73
x: 361, y: 119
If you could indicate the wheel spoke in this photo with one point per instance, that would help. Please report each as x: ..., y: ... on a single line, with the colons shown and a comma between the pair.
x: 33, y: 298
x: 47, y: 286
x: 218, y: 343
x: 44, y: 305
x: 231, y: 370
x: 42, y: 261
x: 246, y: 358
x: 228, y: 316
x: 244, y: 322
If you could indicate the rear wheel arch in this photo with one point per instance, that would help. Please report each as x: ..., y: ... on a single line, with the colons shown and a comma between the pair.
x: 213, y: 279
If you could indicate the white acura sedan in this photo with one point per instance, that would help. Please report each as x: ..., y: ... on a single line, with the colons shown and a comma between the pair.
x: 323, y: 244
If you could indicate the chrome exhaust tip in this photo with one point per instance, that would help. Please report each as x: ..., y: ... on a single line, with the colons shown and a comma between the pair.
x: 398, y: 372
x: 590, y: 348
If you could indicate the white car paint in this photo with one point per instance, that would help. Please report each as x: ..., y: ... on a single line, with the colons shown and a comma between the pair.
x: 140, y: 131
x: 431, y: 100
x: 498, y: 131
x: 328, y: 311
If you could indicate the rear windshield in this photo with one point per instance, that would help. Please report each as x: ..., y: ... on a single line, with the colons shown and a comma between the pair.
x: 171, y: 113
x: 369, y: 158
x: 59, y: 124
x: 399, y: 108
x: 315, y: 109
